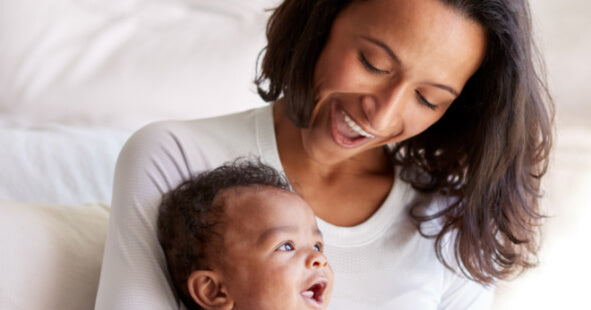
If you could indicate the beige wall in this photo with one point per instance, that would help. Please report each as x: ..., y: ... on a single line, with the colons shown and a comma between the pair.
x: 564, y: 35
x: 562, y: 279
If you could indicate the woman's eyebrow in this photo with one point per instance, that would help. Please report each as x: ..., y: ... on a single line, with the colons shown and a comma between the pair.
x: 385, y: 47
x: 393, y: 55
x: 445, y: 87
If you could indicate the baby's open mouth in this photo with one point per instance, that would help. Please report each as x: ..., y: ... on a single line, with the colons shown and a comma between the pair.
x: 315, y: 293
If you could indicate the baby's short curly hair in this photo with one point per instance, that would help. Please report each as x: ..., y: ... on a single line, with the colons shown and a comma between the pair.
x: 189, y: 213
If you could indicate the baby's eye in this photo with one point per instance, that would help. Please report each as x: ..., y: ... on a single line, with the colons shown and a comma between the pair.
x: 318, y: 247
x: 287, y: 246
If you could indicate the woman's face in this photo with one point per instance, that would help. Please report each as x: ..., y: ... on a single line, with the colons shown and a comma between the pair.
x: 389, y: 70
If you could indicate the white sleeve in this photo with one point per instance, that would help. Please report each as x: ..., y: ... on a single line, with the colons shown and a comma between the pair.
x: 463, y: 294
x: 458, y: 292
x: 134, y: 273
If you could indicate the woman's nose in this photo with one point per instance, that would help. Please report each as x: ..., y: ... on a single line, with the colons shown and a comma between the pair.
x: 384, y: 109
x: 316, y: 260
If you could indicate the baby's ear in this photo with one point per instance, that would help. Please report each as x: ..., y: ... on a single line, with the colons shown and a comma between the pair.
x: 207, y: 290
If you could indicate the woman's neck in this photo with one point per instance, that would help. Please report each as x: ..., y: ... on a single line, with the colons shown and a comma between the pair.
x: 344, y: 193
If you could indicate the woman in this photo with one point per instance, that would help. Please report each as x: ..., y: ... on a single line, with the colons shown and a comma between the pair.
x: 416, y: 130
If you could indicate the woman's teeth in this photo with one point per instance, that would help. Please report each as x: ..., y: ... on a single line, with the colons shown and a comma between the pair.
x: 356, y: 127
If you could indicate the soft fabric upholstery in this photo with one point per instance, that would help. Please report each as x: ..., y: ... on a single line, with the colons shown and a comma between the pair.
x: 125, y: 62
x: 51, y: 255
x: 58, y: 164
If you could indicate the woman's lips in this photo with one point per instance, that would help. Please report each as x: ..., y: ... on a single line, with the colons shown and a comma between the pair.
x: 345, y: 131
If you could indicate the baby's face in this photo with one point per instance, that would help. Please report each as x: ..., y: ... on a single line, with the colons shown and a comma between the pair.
x: 272, y: 255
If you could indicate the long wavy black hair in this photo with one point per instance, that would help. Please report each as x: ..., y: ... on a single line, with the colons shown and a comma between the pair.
x: 488, y: 152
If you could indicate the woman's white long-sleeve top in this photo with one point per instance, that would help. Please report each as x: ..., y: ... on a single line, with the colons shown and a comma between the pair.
x: 383, y: 263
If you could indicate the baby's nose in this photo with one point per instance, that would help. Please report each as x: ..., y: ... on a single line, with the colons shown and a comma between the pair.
x: 316, y: 260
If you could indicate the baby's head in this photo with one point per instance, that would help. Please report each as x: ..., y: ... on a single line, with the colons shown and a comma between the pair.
x: 237, y: 238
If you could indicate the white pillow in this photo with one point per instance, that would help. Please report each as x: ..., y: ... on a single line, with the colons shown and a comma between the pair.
x: 124, y: 63
x: 51, y: 255
x: 59, y: 164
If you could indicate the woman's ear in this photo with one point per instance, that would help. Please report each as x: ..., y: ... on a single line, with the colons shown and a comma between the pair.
x: 208, y: 291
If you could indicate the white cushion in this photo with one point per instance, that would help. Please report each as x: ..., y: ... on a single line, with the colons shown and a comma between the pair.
x: 59, y: 164
x: 51, y: 255
x: 127, y: 62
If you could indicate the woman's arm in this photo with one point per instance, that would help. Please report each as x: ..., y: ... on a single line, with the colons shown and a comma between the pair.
x: 134, y: 273
x: 155, y: 160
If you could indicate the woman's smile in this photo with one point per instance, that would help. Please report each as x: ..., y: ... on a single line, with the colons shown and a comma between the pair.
x: 356, y: 127
x: 345, y: 131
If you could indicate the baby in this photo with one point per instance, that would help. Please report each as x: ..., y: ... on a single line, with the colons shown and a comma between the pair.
x: 236, y: 238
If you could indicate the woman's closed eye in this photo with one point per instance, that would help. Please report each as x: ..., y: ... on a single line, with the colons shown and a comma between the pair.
x: 370, y: 66
x: 424, y: 101
x: 286, y: 246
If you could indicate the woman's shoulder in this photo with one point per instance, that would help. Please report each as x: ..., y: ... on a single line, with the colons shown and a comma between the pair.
x: 235, y: 125
x: 198, y: 143
x: 233, y: 121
